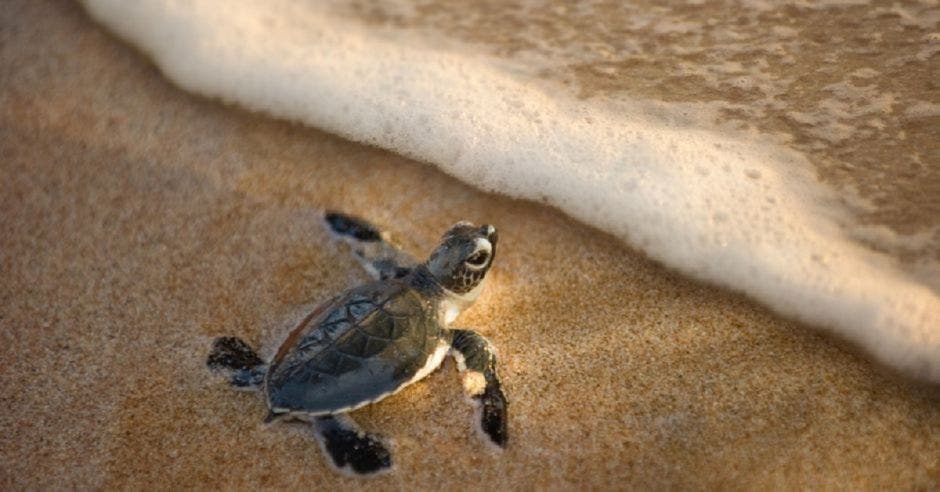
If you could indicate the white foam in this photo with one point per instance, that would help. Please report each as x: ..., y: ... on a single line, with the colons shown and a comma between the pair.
x: 720, y: 209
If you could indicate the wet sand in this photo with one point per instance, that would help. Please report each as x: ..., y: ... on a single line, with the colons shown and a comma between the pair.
x: 853, y: 85
x: 140, y: 222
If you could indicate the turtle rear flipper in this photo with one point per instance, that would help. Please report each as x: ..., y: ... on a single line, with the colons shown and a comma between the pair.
x: 349, y: 448
x: 234, y: 358
x: 372, y: 247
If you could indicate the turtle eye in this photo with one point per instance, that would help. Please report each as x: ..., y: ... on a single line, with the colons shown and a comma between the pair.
x: 478, y: 259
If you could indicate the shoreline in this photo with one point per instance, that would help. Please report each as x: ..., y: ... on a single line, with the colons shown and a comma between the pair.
x: 736, y: 211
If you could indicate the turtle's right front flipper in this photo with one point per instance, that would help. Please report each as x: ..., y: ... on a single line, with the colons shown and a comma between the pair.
x: 476, y: 359
x: 372, y: 247
x: 233, y: 357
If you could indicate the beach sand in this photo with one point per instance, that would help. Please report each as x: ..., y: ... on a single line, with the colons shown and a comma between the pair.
x: 140, y: 222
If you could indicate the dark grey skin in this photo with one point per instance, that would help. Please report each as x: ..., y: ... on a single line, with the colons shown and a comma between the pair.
x: 374, y: 340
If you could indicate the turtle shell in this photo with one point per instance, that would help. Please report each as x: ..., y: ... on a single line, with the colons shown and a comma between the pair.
x: 353, y: 350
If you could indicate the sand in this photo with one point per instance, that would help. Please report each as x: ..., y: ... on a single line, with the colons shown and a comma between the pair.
x: 140, y: 222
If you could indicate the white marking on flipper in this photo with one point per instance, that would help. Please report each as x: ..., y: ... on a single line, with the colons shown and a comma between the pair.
x: 474, y: 383
x: 459, y: 359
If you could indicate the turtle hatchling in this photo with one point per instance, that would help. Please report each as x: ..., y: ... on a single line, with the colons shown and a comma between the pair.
x: 372, y: 341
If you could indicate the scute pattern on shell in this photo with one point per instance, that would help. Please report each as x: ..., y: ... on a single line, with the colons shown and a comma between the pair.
x: 362, y: 346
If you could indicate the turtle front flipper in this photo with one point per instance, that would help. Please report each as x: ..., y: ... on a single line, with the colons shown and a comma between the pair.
x: 476, y: 359
x: 371, y: 246
x: 349, y: 448
x: 233, y: 357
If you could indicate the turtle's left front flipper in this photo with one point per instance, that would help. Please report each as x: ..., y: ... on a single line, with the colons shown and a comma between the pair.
x: 476, y: 360
x: 372, y: 247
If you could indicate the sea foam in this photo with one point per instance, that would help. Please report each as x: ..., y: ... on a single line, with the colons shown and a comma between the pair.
x: 736, y: 212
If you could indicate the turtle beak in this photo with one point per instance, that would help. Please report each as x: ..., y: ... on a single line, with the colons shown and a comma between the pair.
x: 489, y: 232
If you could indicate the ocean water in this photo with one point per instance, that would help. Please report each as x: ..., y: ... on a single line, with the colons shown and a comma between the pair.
x: 786, y: 150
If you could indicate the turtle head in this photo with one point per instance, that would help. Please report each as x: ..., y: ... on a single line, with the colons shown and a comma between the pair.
x: 463, y: 257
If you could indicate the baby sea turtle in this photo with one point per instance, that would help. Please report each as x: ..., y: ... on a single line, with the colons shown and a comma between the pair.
x: 371, y: 341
